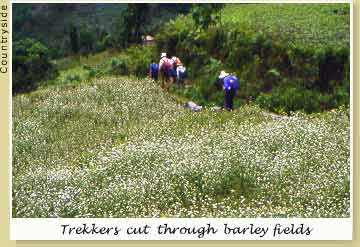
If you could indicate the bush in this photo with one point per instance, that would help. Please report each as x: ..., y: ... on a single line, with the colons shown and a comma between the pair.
x: 99, y: 47
x: 296, y: 98
x: 118, y: 67
x: 139, y: 60
x: 71, y: 78
x: 87, y: 40
x: 31, y: 64
x: 92, y: 73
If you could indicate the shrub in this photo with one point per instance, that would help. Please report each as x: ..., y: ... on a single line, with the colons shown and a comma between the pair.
x: 31, y: 64
x: 139, y: 60
x: 87, y: 40
x: 99, y: 46
x: 297, y: 98
x: 71, y: 78
x: 92, y: 73
x: 118, y: 67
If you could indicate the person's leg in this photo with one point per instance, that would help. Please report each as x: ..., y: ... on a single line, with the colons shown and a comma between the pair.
x: 226, y: 100
x: 177, y: 73
x: 163, y: 78
x: 231, y: 97
x: 172, y: 75
x: 231, y: 100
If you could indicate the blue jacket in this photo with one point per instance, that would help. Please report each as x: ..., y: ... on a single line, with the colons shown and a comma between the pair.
x: 230, y: 82
x: 154, y: 67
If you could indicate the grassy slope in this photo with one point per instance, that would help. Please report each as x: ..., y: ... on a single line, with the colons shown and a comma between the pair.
x: 304, y: 24
x: 122, y: 147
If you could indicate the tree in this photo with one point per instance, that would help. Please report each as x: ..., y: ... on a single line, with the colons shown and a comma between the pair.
x: 130, y: 25
x: 31, y: 64
x: 135, y: 19
x: 207, y: 14
x: 74, y: 39
x: 87, y: 39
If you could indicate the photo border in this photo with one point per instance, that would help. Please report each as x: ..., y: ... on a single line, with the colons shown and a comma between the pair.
x: 5, y: 150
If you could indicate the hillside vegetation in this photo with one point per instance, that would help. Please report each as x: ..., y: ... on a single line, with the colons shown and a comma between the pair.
x: 121, y: 147
x: 287, y: 57
x: 310, y: 25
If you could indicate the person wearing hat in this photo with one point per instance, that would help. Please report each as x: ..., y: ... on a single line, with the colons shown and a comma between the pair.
x: 230, y: 85
x: 165, y: 65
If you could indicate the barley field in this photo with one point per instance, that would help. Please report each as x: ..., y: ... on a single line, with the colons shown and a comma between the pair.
x: 122, y: 147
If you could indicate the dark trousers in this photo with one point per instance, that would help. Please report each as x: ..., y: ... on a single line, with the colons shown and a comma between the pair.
x: 229, y: 98
x: 154, y: 75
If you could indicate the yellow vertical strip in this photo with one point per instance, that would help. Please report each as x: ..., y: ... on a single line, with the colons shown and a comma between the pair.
x: 5, y: 70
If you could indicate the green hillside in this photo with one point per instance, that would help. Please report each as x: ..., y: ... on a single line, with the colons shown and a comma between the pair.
x: 287, y: 57
x: 121, y: 147
x: 314, y: 25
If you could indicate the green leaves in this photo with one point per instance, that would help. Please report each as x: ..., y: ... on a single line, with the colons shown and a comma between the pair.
x: 31, y: 64
x: 206, y: 14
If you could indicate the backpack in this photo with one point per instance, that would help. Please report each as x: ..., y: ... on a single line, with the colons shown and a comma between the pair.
x: 234, y: 82
x: 154, y: 67
x: 231, y: 82
x: 166, y: 63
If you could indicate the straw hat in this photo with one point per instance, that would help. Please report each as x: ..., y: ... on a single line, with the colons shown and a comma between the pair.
x: 223, y: 74
x: 163, y: 55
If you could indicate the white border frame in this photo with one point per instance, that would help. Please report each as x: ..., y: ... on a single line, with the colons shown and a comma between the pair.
x: 47, y: 229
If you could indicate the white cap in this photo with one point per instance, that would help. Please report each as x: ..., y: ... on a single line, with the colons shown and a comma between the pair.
x: 223, y: 74
x: 163, y: 55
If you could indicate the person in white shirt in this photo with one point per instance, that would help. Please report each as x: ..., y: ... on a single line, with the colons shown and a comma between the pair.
x: 166, y: 69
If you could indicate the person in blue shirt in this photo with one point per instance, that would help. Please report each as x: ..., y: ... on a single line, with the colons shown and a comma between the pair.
x: 154, y: 70
x: 230, y: 85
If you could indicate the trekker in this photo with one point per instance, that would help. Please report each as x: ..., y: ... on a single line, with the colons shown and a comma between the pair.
x: 154, y: 71
x: 230, y: 85
x: 180, y: 73
x: 165, y: 67
x: 179, y: 68
x: 176, y: 62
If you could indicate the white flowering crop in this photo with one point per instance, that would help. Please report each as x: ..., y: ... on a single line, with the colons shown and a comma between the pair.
x: 121, y: 147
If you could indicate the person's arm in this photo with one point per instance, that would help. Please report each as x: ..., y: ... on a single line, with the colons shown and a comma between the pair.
x: 161, y: 63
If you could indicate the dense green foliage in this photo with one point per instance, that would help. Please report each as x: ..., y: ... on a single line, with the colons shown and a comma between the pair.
x: 205, y: 15
x: 279, y: 52
x: 264, y: 56
x: 76, y: 69
x: 98, y: 26
x: 74, y: 39
x: 31, y: 64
